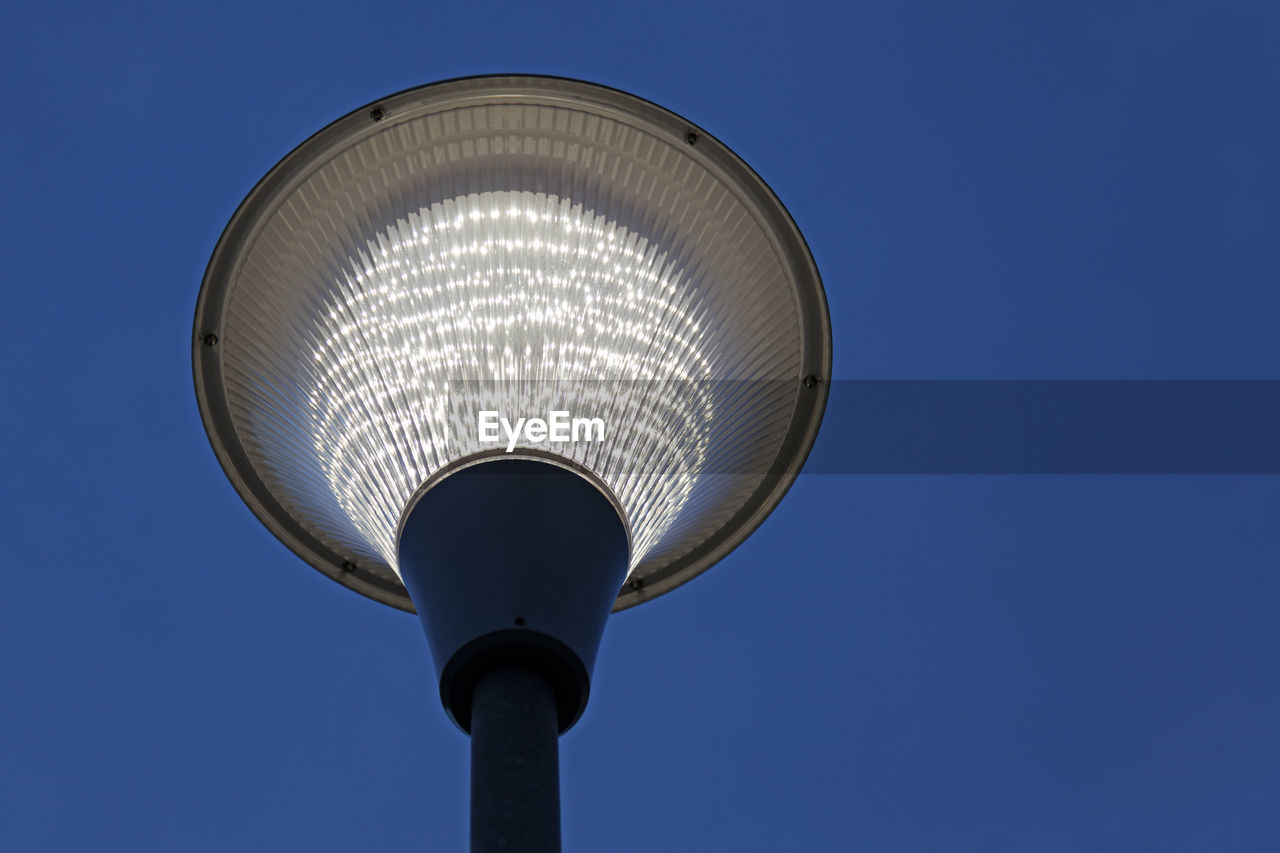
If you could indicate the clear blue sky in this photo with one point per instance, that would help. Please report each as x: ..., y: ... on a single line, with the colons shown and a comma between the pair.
x: 891, y: 663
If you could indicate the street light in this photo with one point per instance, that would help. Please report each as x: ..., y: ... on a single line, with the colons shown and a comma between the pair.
x: 513, y: 352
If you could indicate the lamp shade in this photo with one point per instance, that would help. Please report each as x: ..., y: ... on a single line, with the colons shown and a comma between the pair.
x: 513, y: 267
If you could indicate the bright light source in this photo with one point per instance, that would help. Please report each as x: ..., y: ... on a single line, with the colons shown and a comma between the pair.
x: 523, y: 246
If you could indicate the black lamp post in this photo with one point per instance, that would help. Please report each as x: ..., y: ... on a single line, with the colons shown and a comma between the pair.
x: 513, y: 352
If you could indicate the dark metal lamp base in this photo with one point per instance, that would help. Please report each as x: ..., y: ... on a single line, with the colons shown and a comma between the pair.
x: 513, y: 566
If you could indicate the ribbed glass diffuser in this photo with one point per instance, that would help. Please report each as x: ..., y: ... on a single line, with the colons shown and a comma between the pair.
x: 508, y: 248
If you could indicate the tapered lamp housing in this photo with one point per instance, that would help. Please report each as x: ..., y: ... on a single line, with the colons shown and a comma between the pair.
x: 514, y: 350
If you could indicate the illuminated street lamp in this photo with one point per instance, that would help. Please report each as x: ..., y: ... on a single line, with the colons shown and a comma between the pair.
x: 513, y: 352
